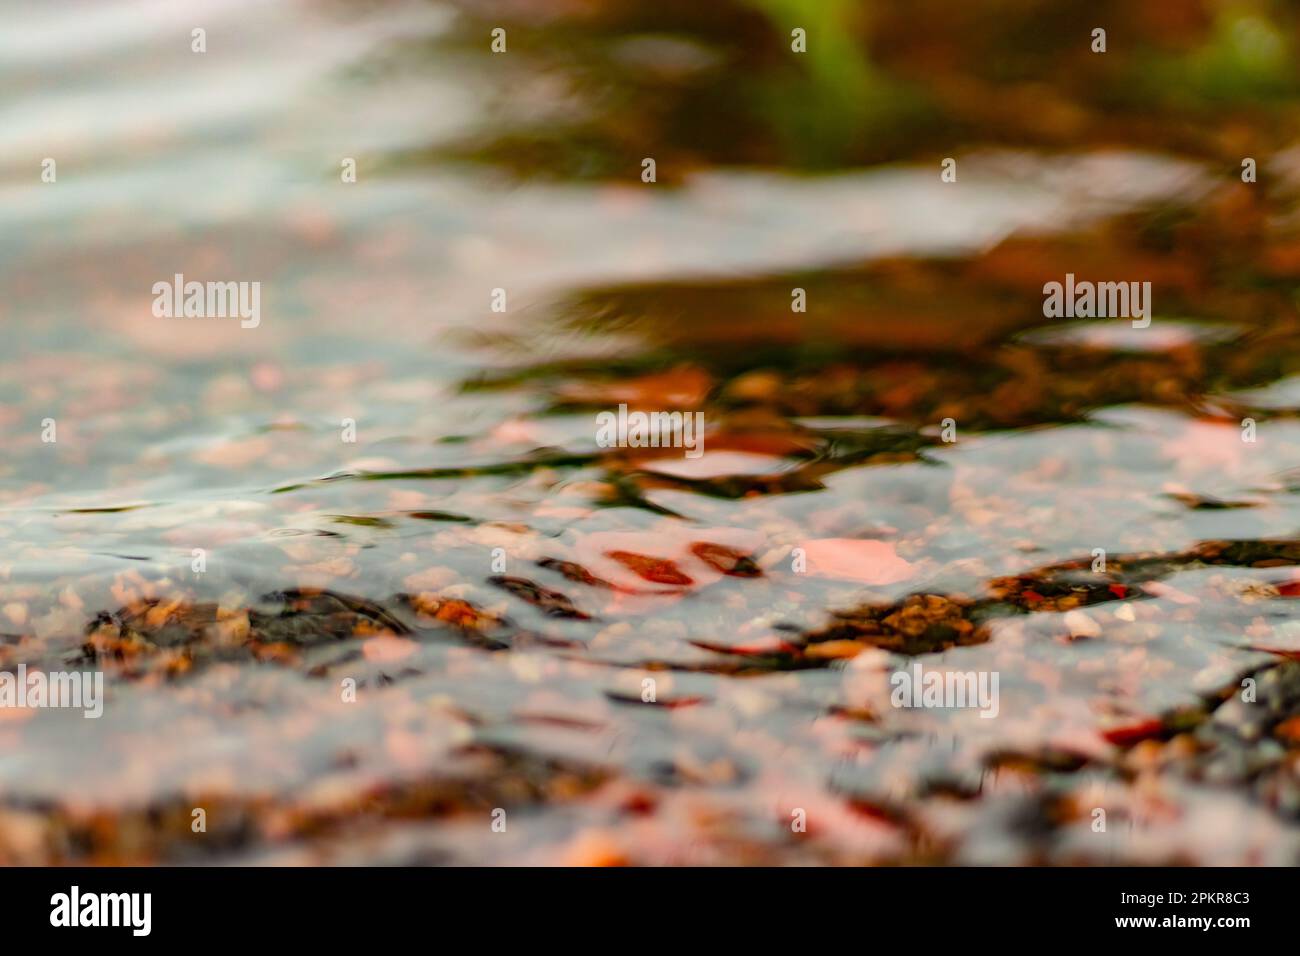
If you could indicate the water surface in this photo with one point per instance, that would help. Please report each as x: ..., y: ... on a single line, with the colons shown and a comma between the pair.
x: 499, y: 587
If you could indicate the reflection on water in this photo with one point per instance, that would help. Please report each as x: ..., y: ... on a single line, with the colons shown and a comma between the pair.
x: 502, y: 589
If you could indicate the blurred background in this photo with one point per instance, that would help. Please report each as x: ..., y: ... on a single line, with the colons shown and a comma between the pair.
x: 497, y: 586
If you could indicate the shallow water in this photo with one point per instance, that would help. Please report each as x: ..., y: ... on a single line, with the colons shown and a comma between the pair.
x: 500, y: 587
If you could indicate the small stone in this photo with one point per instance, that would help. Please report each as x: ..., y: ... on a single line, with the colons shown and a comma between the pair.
x: 1081, y: 625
